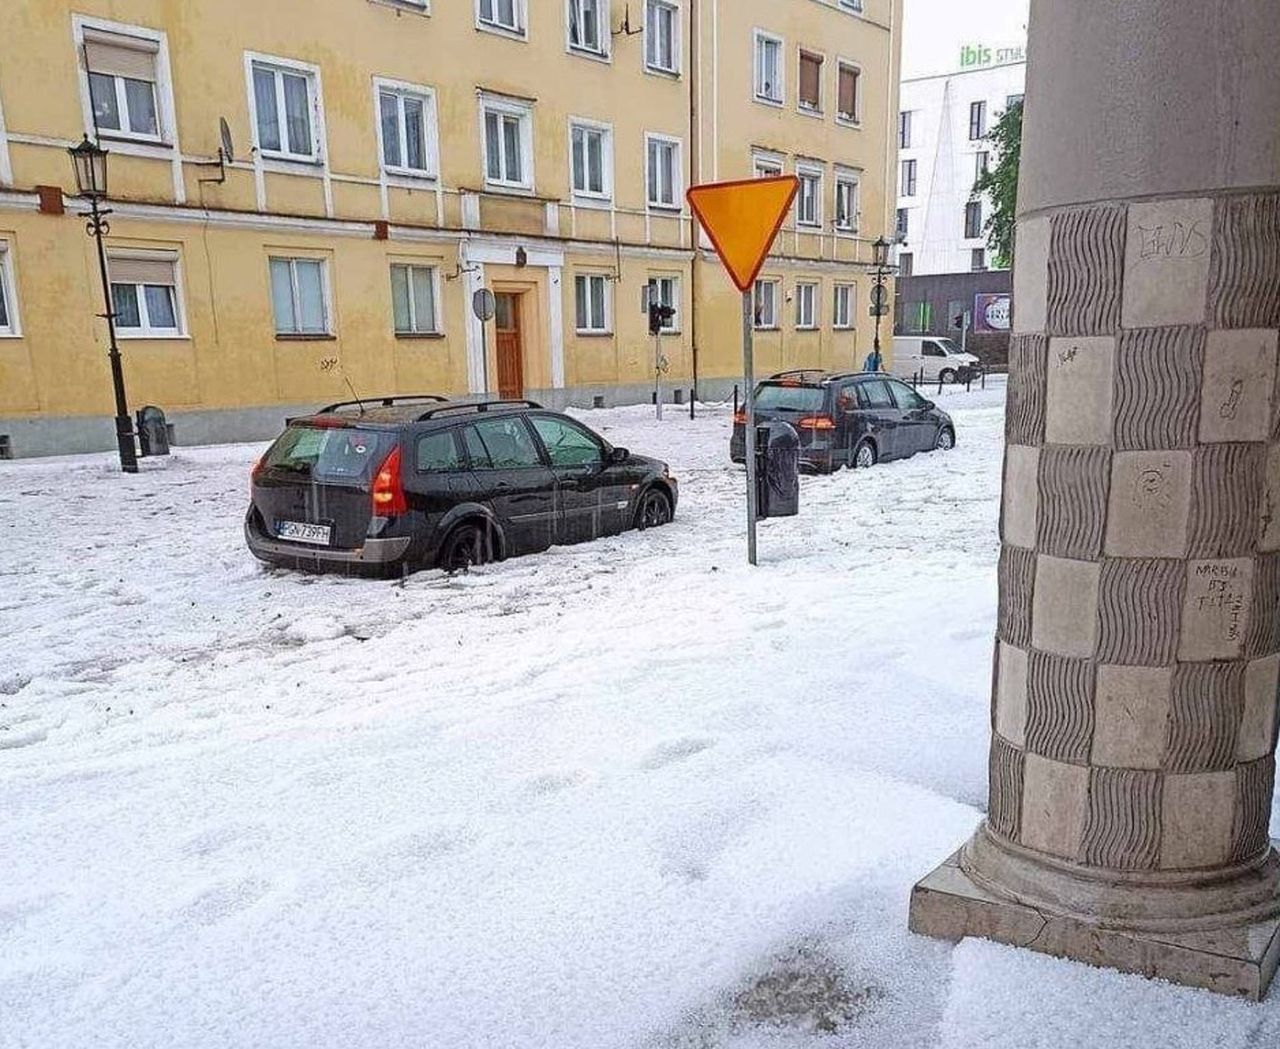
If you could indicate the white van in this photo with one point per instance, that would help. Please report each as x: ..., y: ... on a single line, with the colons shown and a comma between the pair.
x: 935, y: 359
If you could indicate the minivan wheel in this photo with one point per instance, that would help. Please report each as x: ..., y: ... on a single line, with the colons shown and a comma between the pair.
x: 465, y: 546
x: 947, y: 375
x: 946, y: 439
x: 865, y: 455
x: 654, y: 510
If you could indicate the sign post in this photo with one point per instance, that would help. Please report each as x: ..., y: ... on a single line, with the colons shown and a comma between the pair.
x: 484, y: 305
x: 742, y: 219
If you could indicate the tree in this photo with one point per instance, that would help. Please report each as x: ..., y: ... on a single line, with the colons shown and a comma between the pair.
x: 1001, y: 182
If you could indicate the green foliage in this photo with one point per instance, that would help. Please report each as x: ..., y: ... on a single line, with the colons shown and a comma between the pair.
x: 1000, y: 181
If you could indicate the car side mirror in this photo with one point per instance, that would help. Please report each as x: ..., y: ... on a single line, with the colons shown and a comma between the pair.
x: 618, y: 455
x: 929, y: 406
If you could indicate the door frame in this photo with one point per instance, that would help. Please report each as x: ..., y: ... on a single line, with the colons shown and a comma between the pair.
x: 517, y: 316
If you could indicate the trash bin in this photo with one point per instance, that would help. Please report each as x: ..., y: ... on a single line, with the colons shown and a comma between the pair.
x: 153, y: 431
x: 777, y: 470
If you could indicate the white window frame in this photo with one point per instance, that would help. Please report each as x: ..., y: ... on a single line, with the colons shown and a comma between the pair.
x: 808, y: 290
x: 677, y: 174
x: 806, y: 173
x: 519, y: 8
x: 852, y: 180
x: 842, y: 318
x: 146, y: 330
x: 981, y: 219
x: 510, y: 107
x: 760, y: 37
x: 906, y: 128
x: 588, y: 281
x: 981, y: 105
x: 773, y: 164
x: 9, y: 289
x: 605, y: 51
x: 166, y: 138
x: 677, y: 39
x: 417, y: 264
x: 757, y: 322
x: 801, y: 107
x: 315, y: 101
x: 909, y: 188
x: 402, y: 89
x: 856, y: 120
x: 326, y: 296
x: 587, y: 196
x: 673, y: 279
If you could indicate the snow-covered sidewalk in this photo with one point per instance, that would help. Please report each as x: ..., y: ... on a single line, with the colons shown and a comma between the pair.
x: 626, y: 794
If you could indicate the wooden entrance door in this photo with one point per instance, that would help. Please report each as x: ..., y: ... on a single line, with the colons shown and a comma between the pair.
x: 510, y: 350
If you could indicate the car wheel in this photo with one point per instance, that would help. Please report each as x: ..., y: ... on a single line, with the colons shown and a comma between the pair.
x: 865, y: 455
x: 946, y: 439
x: 465, y: 546
x: 947, y: 375
x: 654, y: 510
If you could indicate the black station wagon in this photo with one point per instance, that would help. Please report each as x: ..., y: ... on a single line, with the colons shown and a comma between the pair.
x: 408, y: 482
x: 847, y: 419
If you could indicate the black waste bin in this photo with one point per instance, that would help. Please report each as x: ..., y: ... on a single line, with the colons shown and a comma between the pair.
x: 153, y: 431
x: 777, y: 470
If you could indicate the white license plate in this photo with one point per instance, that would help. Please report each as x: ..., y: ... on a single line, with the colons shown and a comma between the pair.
x: 300, y: 532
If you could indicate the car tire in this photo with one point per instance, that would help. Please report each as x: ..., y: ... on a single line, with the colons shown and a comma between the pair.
x: 654, y: 509
x: 865, y: 455
x: 466, y: 546
x: 946, y: 439
x: 947, y: 375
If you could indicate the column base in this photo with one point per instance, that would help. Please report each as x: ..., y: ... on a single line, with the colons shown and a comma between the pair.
x: 1229, y: 957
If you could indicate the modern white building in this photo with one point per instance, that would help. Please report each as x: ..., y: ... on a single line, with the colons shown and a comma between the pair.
x: 942, y: 148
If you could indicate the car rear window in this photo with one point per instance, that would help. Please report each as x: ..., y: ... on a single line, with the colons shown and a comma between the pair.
x: 334, y: 455
x: 777, y: 397
x: 874, y: 393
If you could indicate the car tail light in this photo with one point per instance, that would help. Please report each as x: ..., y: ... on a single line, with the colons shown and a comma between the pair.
x: 256, y: 472
x: 816, y: 422
x: 740, y: 418
x: 388, y: 492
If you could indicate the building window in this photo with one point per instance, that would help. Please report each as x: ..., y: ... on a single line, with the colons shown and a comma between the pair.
x: 978, y: 259
x: 665, y: 291
x: 144, y: 296
x: 1012, y: 100
x: 8, y: 298
x: 908, y: 178
x: 981, y: 164
x: 851, y: 5
x: 406, y: 124
x: 413, y: 299
x: 905, y: 264
x: 847, y: 104
x: 662, y: 39
x: 904, y: 129
x: 591, y: 294
x: 811, y: 82
x: 847, y: 204
x: 284, y: 101
x: 591, y: 160
x: 766, y: 166
x: 299, y: 297
x: 663, y: 171
x: 977, y: 120
x: 904, y: 222
x: 769, y: 68
x: 766, y: 304
x: 122, y: 77
x: 973, y: 219
x: 505, y: 15
x: 842, y: 307
x: 917, y: 317
x: 809, y: 199
x: 806, y: 305
x: 589, y: 26
x: 508, y: 144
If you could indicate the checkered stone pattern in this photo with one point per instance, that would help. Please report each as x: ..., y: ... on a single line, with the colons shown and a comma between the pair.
x: 1137, y: 662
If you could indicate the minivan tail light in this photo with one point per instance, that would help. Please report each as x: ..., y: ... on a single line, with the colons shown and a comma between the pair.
x: 256, y: 472
x: 816, y: 422
x: 388, y: 492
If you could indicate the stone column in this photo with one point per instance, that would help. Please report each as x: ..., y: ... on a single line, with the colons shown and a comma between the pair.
x: 1134, y: 710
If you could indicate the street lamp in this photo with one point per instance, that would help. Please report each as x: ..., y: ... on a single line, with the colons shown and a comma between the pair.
x: 89, y: 162
x: 880, y: 257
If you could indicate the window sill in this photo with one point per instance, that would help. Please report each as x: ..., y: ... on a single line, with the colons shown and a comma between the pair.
x: 151, y: 336
x: 806, y: 327
x: 843, y: 327
x: 519, y: 35
x: 10, y: 335
x: 776, y: 103
x: 811, y: 111
x: 286, y: 161
x: 603, y: 57
x: 504, y: 189
x: 766, y: 327
x: 593, y: 334
x: 405, y: 6
x: 808, y: 227
x: 409, y: 174
x: 582, y: 200
x: 124, y: 138
x: 668, y: 74
x: 412, y: 336
x: 296, y: 336
x: 670, y: 210
x: 854, y: 124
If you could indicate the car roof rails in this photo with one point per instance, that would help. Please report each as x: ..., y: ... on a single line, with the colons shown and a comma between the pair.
x: 476, y: 406
x: 383, y: 402
x: 800, y: 373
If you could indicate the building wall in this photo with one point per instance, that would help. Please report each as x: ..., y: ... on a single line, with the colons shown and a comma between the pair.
x: 229, y: 375
x: 944, y: 295
x: 946, y: 162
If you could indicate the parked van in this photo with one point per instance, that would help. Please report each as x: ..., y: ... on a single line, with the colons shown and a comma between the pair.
x: 933, y: 359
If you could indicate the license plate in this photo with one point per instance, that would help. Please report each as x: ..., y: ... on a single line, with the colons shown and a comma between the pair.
x: 301, y: 532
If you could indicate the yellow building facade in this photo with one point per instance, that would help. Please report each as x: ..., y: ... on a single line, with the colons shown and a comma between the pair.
x: 390, y: 158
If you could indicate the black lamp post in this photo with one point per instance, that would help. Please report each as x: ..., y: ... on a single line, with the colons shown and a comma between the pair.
x: 90, y: 164
x: 880, y: 257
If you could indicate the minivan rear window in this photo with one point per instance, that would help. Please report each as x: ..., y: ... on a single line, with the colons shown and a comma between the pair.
x: 779, y: 398
x: 334, y: 455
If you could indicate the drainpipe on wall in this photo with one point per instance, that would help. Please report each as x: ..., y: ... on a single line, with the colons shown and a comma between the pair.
x: 695, y: 171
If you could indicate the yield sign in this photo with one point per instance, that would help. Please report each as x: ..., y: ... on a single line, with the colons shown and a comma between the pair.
x: 742, y: 219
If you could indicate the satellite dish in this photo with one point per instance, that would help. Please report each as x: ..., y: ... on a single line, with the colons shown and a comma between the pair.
x: 228, y: 152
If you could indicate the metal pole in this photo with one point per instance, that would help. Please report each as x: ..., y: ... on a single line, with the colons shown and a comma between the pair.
x: 657, y: 372
x: 124, y: 428
x: 484, y: 352
x: 879, y: 314
x: 748, y: 377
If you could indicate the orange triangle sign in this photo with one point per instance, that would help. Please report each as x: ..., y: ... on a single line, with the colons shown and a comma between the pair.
x: 742, y: 219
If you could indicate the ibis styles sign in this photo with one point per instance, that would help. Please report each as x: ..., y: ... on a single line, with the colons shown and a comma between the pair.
x: 978, y: 56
